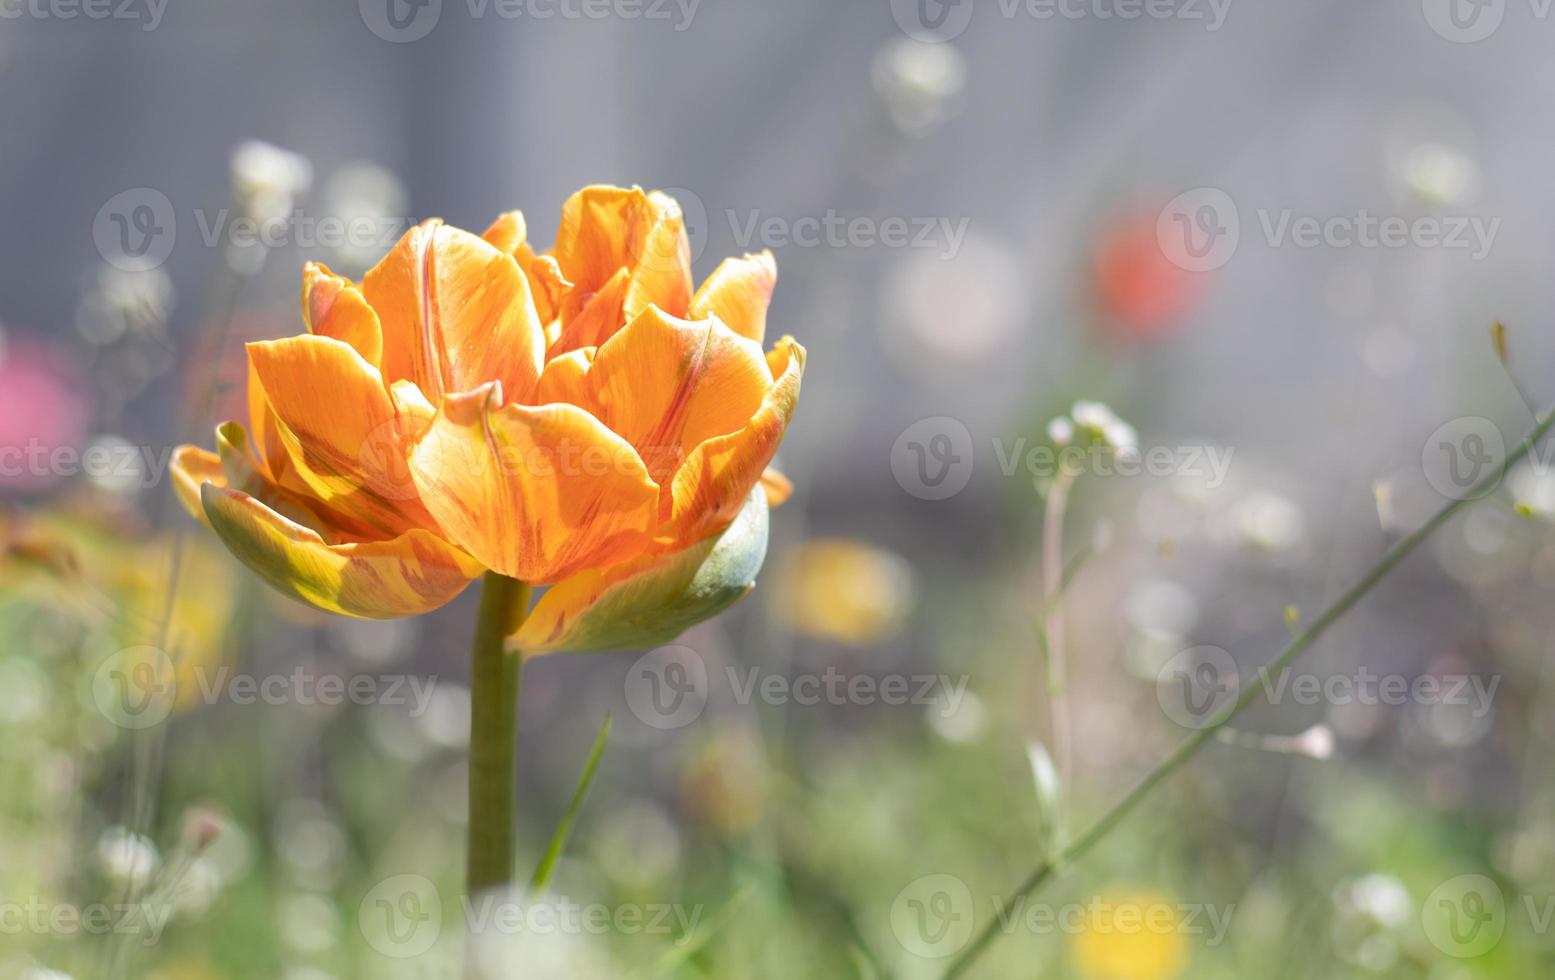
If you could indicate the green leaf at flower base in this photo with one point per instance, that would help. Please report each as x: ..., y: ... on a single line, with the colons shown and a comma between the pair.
x: 650, y: 601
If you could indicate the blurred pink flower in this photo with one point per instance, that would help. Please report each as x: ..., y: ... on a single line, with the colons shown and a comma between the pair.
x: 43, y: 412
x: 1142, y: 293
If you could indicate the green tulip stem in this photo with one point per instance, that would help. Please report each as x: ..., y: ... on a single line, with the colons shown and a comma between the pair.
x: 494, y: 677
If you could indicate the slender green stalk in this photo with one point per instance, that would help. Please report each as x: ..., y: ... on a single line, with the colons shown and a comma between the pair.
x: 1054, y: 626
x: 542, y: 875
x: 494, y: 678
x: 1190, y: 747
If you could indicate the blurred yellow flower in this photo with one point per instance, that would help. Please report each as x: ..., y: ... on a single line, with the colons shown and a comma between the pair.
x: 1128, y: 935
x: 473, y: 404
x: 844, y: 591
x: 102, y: 567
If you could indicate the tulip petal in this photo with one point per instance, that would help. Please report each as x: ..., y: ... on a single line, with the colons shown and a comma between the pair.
x: 267, y: 437
x: 535, y: 493
x: 604, y: 229
x: 190, y: 468
x: 566, y: 378
x: 406, y: 576
x: 599, y: 318
x: 710, y: 487
x: 332, y: 306
x: 666, y: 385
x: 238, y: 465
x: 456, y: 313
x: 546, y: 282
x: 778, y: 487
x: 651, y: 600
x: 342, y: 434
x: 738, y: 293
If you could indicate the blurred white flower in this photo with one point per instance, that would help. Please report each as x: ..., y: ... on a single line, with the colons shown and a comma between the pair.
x: 196, y: 888
x: 1381, y: 898
x: 120, y: 302
x: 311, y: 843
x: 1060, y: 431
x: 446, y: 722
x: 127, y: 858
x: 125, y: 469
x: 1095, y: 423
x: 954, y: 303
x: 1533, y: 487
x: 25, y: 692
x: 267, y: 180
x: 1266, y: 521
x: 1316, y: 742
x: 1160, y: 605
x: 1441, y: 176
x: 307, y: 922
x: 968, y: 723
x: 372, y: 203
x: 919, y: 83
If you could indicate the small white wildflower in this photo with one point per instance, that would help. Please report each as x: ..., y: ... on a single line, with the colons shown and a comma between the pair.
x: 1092, y: 415
x: 1060, y: 431
x: 128, y: 858
x: 919, y: 83
x: 1316, y: 742
x: 267, y: 179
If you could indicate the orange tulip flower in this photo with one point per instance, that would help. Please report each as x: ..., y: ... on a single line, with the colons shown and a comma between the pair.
x: 579, y: 417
